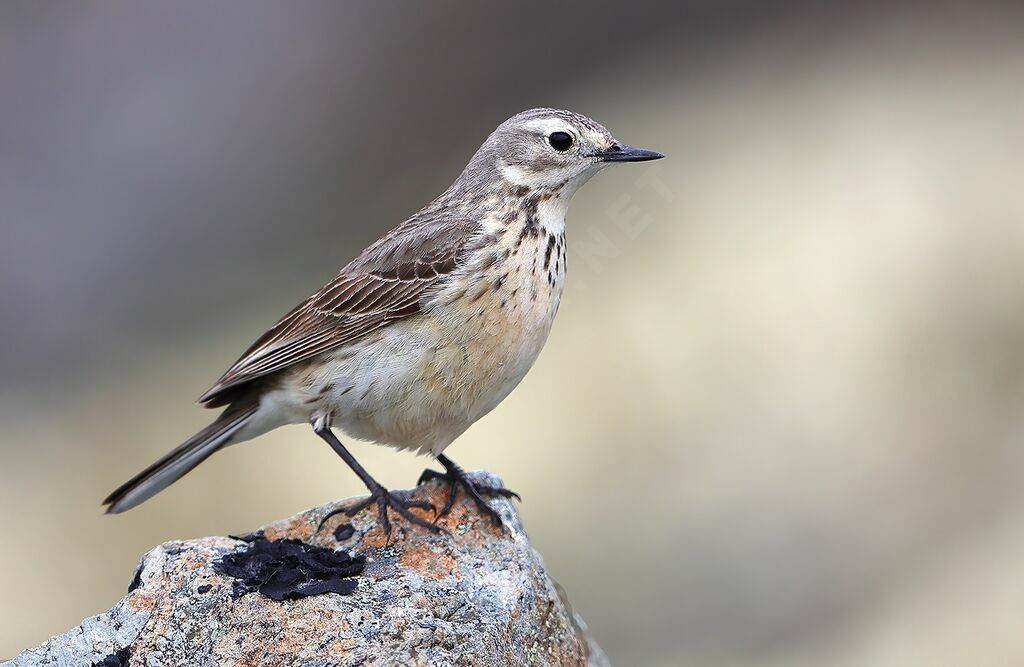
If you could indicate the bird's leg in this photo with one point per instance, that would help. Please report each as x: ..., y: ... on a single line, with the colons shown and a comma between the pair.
x: 455, y: 476
x: 378, y: 494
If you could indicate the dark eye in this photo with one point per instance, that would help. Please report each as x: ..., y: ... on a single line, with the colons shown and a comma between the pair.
x: 560, y: 141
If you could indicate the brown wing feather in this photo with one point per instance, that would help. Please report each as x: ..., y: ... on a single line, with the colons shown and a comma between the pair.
x: 385, y: 283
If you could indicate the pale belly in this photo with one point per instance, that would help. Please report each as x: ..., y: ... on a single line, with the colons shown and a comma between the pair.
x: 420, y: 383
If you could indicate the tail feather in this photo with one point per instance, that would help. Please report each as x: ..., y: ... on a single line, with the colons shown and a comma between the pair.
x: 178, y: 462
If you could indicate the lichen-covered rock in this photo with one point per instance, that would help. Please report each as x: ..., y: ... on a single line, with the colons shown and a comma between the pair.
x: 475, y: 595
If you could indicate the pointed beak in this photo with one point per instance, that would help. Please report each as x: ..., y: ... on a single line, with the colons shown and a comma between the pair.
x: 622, y: 153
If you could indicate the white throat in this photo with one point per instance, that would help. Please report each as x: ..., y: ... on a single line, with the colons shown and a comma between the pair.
x: 551, y: 211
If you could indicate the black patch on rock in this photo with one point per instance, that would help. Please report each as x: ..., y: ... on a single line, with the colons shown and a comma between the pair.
x: 290, y: 569
x: 136, y: 578
x: 344, y: 531
x: 119, y: 659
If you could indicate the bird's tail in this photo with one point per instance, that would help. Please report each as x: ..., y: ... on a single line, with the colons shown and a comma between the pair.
x: 179, y: 461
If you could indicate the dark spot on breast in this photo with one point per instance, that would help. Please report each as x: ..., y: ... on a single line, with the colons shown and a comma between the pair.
x: 547, y: 251
x: 498, y: 283
x: 531, y: 225
x: 523, y: 233
x: 205, y: 588
x: 530, y: 229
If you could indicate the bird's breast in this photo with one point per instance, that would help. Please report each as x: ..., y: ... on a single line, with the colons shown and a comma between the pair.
x: 496, y: 315
x: 421, y: 381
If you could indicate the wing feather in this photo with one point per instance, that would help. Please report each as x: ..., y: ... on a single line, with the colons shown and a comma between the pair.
x: 387, y: 282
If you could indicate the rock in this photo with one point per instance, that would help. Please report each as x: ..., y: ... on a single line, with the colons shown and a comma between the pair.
x: 290, y: 595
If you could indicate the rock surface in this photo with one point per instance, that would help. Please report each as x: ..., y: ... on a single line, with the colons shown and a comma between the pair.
x: 476, y: 595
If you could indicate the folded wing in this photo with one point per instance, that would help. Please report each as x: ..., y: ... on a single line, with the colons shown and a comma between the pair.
x: 387, y: 282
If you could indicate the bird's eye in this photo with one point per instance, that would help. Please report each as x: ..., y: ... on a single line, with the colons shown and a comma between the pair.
x: 560, y: 141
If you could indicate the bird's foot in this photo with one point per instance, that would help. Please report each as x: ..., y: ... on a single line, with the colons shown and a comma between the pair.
x: 385, y: 500
x: 456, y: 477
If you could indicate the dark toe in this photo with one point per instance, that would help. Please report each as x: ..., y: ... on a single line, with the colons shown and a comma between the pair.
x: 498, y: 491
x: 402, y: 506
x: 327, y: 517
x: 421, y: 504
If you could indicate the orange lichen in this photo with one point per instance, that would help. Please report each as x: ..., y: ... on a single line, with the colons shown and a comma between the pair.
x: 141, y: 600
x: 429, y: 562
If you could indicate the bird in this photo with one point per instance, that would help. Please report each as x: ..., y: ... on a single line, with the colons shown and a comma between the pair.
x: 427, y: 330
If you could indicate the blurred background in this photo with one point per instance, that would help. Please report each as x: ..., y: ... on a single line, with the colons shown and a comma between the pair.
x: 788, y: 371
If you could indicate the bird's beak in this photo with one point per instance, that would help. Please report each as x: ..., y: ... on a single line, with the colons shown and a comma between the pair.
x: 622, y: 153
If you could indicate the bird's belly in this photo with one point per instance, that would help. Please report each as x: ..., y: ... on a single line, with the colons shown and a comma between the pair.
x: 421, y: 382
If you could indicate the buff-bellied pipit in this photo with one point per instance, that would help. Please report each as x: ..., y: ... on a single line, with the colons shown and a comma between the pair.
x: 429, y: 328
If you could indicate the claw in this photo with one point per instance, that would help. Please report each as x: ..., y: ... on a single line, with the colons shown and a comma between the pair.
x: 456, y: 477
x: 387, y: 500
x: 449, y: 501
x: 421, y: 504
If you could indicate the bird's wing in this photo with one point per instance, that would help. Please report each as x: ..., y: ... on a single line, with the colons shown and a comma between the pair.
x: 387, y: 282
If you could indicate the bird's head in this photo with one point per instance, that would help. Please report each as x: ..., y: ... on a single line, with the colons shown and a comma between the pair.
x: 547, y: 149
